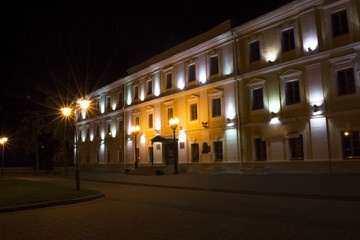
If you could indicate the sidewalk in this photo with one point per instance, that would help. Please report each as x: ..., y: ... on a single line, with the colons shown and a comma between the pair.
x: 314, y: 186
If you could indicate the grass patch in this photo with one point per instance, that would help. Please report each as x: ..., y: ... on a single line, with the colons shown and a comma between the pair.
x: 15, y: 192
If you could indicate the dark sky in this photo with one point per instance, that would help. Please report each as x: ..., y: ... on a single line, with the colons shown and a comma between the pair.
x: 87, y: 43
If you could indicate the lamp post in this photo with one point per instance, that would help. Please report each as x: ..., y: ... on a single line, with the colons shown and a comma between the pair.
x: 66, y: 111
x: 173, y: 123
x: 2, y: 142
x: 135, y: 130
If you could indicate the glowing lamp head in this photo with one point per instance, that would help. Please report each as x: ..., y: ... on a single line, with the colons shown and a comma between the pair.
x: 84, y: 104
x: 3, y: 140
x: 135, y: 129
x: 346, y: 133
x: 66, y: 111
x: 174, y: 121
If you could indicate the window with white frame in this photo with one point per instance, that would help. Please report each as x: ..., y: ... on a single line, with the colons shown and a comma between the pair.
x: 191, y: 73
x: 216, y: 103
x: 287, y: 40
x: 292, y: 87
x: 192, y: 103
x: 256, y: 88
x: 339, y: 23
x: 193, y: 112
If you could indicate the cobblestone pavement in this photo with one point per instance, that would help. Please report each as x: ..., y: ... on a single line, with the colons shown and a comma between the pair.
x: 138, y: 212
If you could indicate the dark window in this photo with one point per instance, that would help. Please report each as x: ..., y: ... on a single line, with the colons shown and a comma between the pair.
x: 296, y: 148
x: 339, y: 23
x: 345, y: 82
x: 150, y: 121
x: 168, y: 80
x: 257, y: 99
x: 136, y: 92
x: 170, y: 113
x: 87, y: 133
x: 87, y: 157
x: 192, y: 73
x: 120, y: 100
x: 194, y: 152
x: 260, y: 149
x: 351, y: 144
x: 108, y: 155
x: 216, y: 107
x: 108, y: 103
x: 218, y: 151
x: 137, y: 120
x: 97, y: 106
x: 254, y: 51
x: 287, y: 40
x: 149, y: 87
x: 121, y: 126
x: 120, y: 157
x: 108, y: 129
x: 292, y: 94
x: 193, y: 112
x: 97, y: 131
x: 214, y: 65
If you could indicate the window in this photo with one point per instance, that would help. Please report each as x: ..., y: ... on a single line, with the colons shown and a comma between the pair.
x: 296, y: 148
x: 351, y: 144
x: 120, y: 155
x: 137, y: 121
x: 191, y: 73
x: 254, y: 51
x: 214, y: 65
x: 121, y: 126
x: 287, y: 40
x: 97, y: 131
x: 97, y: 156
x: 149, y: 87
x: 257, y: 99
x: 108, y: 103
x: 97, y: 106
x: 108, y: 129
x: 87, y: 157
x: 168, y: 80
x: 339, y: 23
x: 170, y: 113
x: 150, y: 120
x: 260, y: 149
x: 218, y: 151
x: 87, y: 133
x: 108, y: 156
x: 345, y: 82
x: 292, y: 94
x: 136, y: 92
x: 194, y: 152
x: 193, y: 112
x: 216, y: 107
x: 120, y: 99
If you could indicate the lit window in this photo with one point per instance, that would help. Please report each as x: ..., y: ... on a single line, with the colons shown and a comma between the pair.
x: 218, y: 151
x: 260, y: 149
x: 216, y: 107
x: 345, y: 82
x: 168, y: 80
x: 214, y: 65
x: 254, y: 51
x: 339, y: 23
x: 257, y: 99
x: 287, y: 40
x: 351, y: 144
x: 191, y: 74
x: 292, y: 93
x: 193, y: 112
x: 296, y: 148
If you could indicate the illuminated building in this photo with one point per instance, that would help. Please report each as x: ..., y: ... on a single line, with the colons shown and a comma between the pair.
x: 281, y: 91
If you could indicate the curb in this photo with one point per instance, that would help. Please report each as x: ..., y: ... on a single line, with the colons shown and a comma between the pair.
x: 50, y: 204
x: 235, y: 191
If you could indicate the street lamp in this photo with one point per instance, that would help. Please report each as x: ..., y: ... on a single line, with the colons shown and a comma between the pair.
x: 173, y: 123
x: 66, y: 111
x: 135, y: 130
x: 3, y: 140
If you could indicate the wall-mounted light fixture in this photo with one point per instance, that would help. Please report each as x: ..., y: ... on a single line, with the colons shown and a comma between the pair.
x: 273, y: 115
x: 316, y: 108
x: 310, y: 50
x: 204, y: 124
x: 270, y: 62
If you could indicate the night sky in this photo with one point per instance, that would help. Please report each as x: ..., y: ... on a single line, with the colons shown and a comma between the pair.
x: 52, y: 48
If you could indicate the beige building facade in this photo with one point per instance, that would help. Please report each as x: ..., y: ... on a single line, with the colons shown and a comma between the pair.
x: 279, y: 92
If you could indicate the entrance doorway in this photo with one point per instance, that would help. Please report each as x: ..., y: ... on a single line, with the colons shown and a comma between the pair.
x: 195, y: 152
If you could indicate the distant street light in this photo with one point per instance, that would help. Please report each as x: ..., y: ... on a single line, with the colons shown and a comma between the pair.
x: 173, y: 123
x: 3, y: 140
x: 135, y: 130
x: 66, y: 111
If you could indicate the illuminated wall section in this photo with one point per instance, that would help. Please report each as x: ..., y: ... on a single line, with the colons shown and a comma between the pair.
x: 316, y: 96
x: 113, y: 127
x: 229, y: 98
x: 227, y: 58
x: 157, y: 114
x: 157, y: 84
x: 271, y: 47
x: 142, y: 90
x: 180, y: 76
x: 309, y: 32
x: 129, y: 94
x: 231, y: 148
x: 202, y: 68
x: 102, y: 103
x: 319, y: 139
